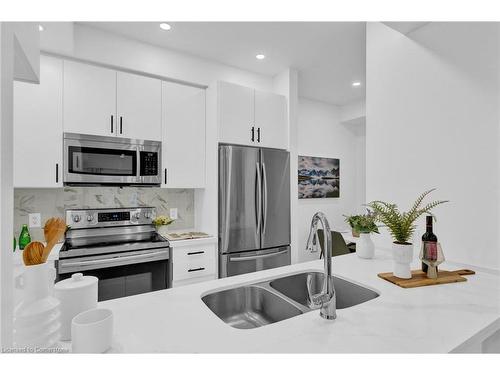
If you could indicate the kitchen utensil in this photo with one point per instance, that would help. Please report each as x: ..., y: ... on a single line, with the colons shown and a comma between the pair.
x: 77, y: 294
x: 33, y: 253
x: 53, y: 231
x: 92, y: 331
x: 419, y: 278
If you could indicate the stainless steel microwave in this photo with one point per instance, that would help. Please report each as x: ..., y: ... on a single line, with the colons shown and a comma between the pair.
x: 101, y: 160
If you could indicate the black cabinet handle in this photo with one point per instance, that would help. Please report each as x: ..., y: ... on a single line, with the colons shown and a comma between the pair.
x: 57, y: 173
x: 196, y: 252
x: 253, y: 133
x: 258, y: 135
x: 121, y: 123
x: 165, y: 176
x: 196, y: 269
x: 111, y: 123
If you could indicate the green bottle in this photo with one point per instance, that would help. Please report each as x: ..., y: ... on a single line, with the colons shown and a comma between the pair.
x: 15, y: 243
x: 24, y: 237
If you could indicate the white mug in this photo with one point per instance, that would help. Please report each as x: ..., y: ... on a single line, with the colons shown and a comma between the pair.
x: 92, y: 331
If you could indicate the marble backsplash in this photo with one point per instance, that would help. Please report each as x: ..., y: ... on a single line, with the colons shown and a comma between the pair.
x: 53, y: 202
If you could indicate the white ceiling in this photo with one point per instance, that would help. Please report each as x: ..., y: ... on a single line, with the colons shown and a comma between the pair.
x: 328, y: 55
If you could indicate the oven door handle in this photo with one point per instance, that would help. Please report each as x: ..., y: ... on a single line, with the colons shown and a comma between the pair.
x: 113, y: 260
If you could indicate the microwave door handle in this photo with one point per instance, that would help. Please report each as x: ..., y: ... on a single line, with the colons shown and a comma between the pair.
x: 138, y: 171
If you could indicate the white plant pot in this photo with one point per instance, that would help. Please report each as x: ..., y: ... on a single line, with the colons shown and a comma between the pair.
x: 365, y: 248
x: 162, y: 230
x: 403, y: 256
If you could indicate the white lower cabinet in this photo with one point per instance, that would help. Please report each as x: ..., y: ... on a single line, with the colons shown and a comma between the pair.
x: 194, y: 261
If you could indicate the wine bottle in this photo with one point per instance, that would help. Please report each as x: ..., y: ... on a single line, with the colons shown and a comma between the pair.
x: 429, y: 240
x: 24, y: 237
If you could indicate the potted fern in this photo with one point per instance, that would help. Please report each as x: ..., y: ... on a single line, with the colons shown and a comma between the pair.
x: 364, y: 225
x: 401, y: 226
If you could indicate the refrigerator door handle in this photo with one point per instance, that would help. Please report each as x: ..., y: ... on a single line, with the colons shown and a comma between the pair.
x: 258, y: 200
x: 264, y: 189
x: 227, y: 176
x: 253, y: 257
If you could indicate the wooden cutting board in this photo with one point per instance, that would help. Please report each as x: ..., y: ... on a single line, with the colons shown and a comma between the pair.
x: 419, y: 278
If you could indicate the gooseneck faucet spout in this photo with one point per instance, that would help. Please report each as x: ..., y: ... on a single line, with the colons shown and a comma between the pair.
x: 327, y: 298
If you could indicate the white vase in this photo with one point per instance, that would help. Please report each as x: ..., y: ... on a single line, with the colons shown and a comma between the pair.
x: 162, y: 230
x: 402, y: 256
x: 365, y: 248
x: 36, y: 318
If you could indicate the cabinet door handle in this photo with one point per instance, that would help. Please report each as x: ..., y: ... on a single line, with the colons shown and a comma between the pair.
x: 258, y: 135
x: 57, y: 173
x: 253, y: 133
x: 112, y: 124
x: 196, y: 252
x: 196, y: 269
x: 165, y: 176
x: 121, y: 123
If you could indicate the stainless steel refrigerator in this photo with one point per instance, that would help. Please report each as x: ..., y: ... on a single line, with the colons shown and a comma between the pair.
x: 254, y: 209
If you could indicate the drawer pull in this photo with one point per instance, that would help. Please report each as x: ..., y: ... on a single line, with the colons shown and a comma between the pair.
x: 196, y: 269
x: 196, y: 253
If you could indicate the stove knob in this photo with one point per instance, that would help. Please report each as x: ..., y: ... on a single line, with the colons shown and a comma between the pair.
x: 76, y: 218
x: 90, y: 217
x: 147, y: 215
x: 137, y: 215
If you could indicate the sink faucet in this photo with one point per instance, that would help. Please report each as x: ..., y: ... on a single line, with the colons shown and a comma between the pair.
x: 327, y: 298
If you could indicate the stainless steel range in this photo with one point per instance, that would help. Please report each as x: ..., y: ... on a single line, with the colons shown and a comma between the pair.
x: 119, y: 246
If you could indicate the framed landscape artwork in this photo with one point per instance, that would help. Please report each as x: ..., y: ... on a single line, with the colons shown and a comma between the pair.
x: 318, y: 177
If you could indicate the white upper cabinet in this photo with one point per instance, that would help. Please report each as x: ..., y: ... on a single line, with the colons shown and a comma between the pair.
x: 271, y: 120
x: 89, y: 99
x: 138, y: 107
x: 38, y: 128
x: 236, y: 114
x: 250, y: 117
x: 183, y: 136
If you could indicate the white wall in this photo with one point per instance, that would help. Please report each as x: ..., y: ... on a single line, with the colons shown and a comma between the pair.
x: 7, y: 68
x: 354, y: 112
x: 432, y: 121
x: 320, y: 133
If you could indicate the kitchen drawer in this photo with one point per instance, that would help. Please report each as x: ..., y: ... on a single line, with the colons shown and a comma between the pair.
x: 193, y: 268
x: 194, y: 259
x: 187, y: 253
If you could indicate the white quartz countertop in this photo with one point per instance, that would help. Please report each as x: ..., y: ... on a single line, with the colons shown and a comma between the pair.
x: 435, y: 319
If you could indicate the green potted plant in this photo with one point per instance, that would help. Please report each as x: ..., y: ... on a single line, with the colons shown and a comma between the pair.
x: 401, y: 226
x: 352, y: 220
x: 364, y: 225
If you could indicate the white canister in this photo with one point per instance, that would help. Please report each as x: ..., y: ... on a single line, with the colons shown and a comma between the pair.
x: 77, y: 294
x: 92, y: 331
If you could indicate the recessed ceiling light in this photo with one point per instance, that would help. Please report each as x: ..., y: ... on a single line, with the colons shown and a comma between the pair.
x: 260, y: 56
x: 40, y: 28
x: 165, y: 26
x: 356, y: 83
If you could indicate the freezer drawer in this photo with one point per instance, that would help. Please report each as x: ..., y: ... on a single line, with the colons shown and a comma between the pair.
x: 251, y: 261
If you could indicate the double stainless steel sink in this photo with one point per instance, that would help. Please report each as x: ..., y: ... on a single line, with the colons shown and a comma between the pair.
x: 271, y: 301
